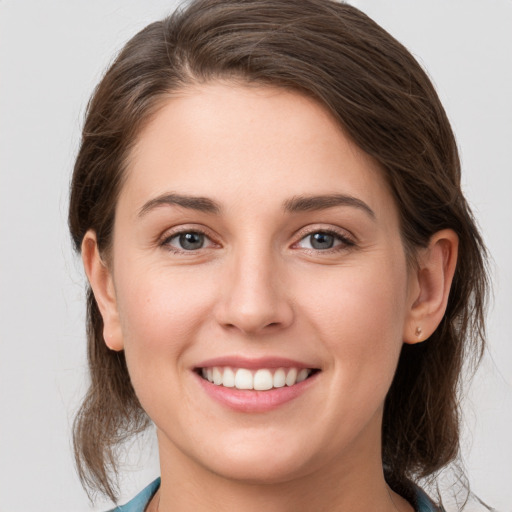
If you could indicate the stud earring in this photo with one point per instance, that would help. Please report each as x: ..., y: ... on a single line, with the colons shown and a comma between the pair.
x: 418, y: 331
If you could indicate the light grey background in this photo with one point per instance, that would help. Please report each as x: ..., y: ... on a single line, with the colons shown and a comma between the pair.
x: 52, y: 53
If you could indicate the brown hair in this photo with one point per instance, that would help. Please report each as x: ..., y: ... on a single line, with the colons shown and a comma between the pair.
x: 384, y: 101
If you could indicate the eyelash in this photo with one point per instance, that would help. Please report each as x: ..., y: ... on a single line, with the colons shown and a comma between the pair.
x: 166, y: 242
x: 344, y: 241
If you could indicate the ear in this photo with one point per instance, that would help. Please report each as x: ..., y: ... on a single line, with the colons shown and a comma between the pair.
x: 102, y: 284
x: 429, y: 286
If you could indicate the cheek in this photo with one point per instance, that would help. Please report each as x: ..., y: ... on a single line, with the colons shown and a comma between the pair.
x: 357, y: 321
x: 160, y: 312
x: 359, y: 318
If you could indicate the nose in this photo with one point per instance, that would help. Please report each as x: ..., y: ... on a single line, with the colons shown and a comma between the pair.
x: 254, y: 299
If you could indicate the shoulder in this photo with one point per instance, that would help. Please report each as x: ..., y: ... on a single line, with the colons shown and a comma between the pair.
x: 139, y: 503
x: 422, y: 503
x: 416, y: 496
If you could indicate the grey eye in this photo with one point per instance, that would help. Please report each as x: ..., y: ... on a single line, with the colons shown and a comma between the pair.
x: 188, y: 241
x: 321, y: 241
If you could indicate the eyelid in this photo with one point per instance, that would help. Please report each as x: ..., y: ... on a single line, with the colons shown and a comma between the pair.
x: 346, y: 238
x: 171, y: 233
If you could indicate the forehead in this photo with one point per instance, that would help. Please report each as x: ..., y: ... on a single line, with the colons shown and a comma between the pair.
x: 258, y: 144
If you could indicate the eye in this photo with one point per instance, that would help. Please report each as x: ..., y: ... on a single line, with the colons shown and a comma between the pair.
x: 323, y: 240
x: 187, y: 241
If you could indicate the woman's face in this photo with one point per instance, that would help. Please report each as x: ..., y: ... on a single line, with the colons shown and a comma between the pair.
x: 253, y: 243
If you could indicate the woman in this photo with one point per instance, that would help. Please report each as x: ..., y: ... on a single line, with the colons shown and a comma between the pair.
x: 284, y: 274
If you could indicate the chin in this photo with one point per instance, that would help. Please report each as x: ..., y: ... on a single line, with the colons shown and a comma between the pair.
x: 259, y: 463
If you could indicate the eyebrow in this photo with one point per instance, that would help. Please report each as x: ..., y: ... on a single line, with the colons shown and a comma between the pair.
x: 201, y: 204
x: 295, y: 204
x: 323, y: 202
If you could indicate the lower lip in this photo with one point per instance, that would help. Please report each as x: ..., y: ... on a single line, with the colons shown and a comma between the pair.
x: 255, y: 401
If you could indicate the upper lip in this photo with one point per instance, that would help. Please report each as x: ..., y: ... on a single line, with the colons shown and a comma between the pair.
x: 254, y: 363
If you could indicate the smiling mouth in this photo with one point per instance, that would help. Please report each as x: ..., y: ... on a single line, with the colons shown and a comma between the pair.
x: 262, y: 379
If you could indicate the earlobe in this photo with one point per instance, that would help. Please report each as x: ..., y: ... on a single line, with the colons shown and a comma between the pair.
x: 102, y: 285
x: 430, y: 289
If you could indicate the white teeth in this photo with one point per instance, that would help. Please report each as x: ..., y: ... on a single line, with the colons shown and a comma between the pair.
x: 260, y: 380
x: 217, y: 376
x: 228, y: 379
x: 243, y: 379
x: 302, y: 375
x: 291, y: 377
x: 263, y: 380
x: 279, y: 378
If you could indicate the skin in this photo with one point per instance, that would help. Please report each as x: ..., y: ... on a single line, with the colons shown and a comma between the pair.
x: 257, y: 288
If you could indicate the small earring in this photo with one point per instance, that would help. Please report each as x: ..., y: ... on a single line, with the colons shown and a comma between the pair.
x: 418, y: 331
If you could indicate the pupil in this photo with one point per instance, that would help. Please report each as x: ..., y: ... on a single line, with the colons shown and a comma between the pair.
x: 191, y: 241
x: 322, y: 241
